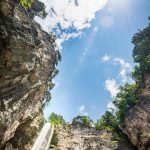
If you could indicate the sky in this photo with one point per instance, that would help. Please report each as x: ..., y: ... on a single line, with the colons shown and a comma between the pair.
x: 94, y: 38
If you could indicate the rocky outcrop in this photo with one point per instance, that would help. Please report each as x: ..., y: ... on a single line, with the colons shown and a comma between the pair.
x: 137, y: 121
x: 26, y: 134
x: 81, y: 138
x: 28, y: 59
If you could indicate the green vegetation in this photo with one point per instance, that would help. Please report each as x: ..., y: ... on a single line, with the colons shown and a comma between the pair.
x: 83, y: 121
x: 26, y: 3
x: 109, y: 122
x: 106, y: 122
x: 141, y: 53
x: 128, y: 95
x: 54, y: 140
x: 56, y: 120
x: 126, y: 98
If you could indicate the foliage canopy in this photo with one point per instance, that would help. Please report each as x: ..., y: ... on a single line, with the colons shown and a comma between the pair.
x: 26, y: 3
x: 125, y: 99
x: 83, y: 121
x: 106, y: 122
x: 141, y: 53
x: 56, y: 120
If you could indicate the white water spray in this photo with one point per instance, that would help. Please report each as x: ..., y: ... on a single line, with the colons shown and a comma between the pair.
x: 43, y: 140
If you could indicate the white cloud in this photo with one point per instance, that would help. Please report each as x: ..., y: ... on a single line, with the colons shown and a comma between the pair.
x: 65, y: 37
x: 111, y: 106
x: 107, y: 22
x: 95, y: 29
x: 112, y: 87
x: 106, y: 58
x: 69, y: 14
x: 81, y: 111
x: 125, y: 69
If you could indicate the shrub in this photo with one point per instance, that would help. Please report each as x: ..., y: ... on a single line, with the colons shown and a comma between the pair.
x: 26, y: 3
x: 56, y: 120
x: 125, y: 99
x: 83, y: 121
x: 106, y: 122
x: 141, y: 52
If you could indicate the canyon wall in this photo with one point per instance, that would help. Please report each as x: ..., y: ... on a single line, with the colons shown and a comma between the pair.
x: 137, y: 120
x: 70, y: 137
x: 28, y: 58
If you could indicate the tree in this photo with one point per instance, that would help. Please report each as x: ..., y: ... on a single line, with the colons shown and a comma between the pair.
x: 125, y: 99
x: 56, y: 120
x: 107, y: 122
x: 83, y: 121
x: 141, y: 53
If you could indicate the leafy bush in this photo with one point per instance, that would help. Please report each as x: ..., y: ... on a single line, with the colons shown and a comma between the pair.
x: 141, y: 53
x: 109, y: 122
x: 106, y: 122
x: 26, y: 3
x: 56, y: 120
x: 125, y: 99
x: 83, y: 121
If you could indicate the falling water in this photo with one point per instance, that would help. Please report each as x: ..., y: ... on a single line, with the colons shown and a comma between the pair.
x: 43, y: 140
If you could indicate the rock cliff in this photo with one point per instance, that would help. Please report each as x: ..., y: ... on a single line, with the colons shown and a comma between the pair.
x: 28, y: 58
x: 137, y: 121
x: 82, y: 138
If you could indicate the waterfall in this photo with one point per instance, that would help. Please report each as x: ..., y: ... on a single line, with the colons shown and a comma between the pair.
x: 43, y: 140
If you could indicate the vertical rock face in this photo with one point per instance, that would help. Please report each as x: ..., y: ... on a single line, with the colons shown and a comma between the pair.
x: 27, y: 60
x: 137, y: 121
x: 81, y: 138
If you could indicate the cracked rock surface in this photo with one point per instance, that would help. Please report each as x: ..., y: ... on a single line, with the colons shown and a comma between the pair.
x: 27, y: 60
x: 137, y: 120
x: 81, y: 138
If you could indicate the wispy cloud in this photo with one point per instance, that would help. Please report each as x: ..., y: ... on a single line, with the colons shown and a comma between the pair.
x: 112, y: 87
x: 83, y: 55
x: 66, y: 36
x: 81, y: 111
x: 106, y: 58
x: 125, y: 69
x: 95, y: 29
x: 111, y: 106
x: 69, y: 16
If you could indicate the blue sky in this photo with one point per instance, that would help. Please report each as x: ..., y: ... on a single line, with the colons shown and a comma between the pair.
x: 96, y: 53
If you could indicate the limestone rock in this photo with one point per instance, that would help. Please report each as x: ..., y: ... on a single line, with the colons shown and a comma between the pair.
x: 81, y: 138
x: 137, y: 120
x: 28, y: 57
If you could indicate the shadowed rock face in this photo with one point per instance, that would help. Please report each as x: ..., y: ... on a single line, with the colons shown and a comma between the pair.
x: 137, y: 121
x: 27, y: 60
x: 81, y: 138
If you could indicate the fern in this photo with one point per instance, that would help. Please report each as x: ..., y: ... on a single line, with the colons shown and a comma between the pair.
x: 26, y: 3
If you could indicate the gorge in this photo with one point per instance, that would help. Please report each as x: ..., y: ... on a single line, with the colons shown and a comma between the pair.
x: 29, y: 57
